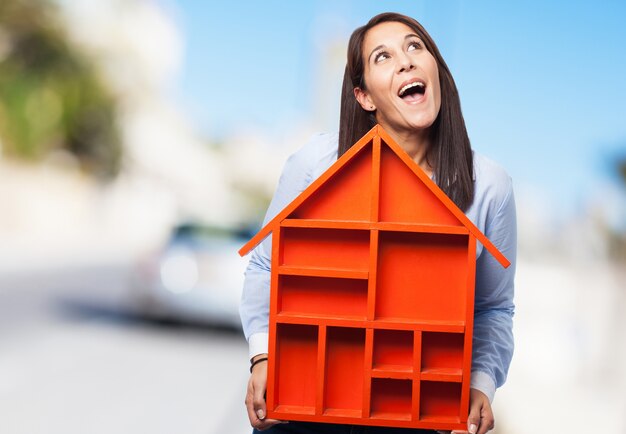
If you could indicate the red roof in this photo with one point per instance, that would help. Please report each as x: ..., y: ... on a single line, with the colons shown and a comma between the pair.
x: 352, y: 197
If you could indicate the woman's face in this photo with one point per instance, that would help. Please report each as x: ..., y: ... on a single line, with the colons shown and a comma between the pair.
x: 401, y: 78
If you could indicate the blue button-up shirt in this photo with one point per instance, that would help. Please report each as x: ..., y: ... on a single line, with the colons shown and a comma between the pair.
x: 493, y: 212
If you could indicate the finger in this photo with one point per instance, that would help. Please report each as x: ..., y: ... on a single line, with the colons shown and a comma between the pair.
x: 473, y: 420
x: 262, y: 425
x: 255, y: 422
x: 258, y: 402
x: 250, y: 406
x: 487, y: 420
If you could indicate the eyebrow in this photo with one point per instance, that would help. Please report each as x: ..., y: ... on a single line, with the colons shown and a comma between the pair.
x: 410, y: 35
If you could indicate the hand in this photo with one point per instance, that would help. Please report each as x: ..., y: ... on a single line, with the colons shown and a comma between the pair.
x: 255, y: 397
x: 480, y: 419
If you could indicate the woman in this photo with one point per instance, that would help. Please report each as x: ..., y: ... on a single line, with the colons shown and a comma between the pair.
x: 395, y: 76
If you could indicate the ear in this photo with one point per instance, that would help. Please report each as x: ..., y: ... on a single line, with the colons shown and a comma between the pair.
x: 364, y: 99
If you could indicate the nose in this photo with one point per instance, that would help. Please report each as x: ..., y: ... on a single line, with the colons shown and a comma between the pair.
x: 405, y: 63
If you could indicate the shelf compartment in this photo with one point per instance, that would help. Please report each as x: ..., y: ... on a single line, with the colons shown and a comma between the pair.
x: 295, y: 409
x: 296, y: 366
x: 391, y: 399
x: 421, y: 228
x: 313, y: 319
x: 418, y: 324
x: 444, y: 419
x: 329, y: 297
x: 344, y: 370
x: 325, y: 224
x: 383, y: 226
x: 322, y: 272
x: 325, y: 248
x: 400, y: 373
x: 442, y: 374
x: 345, y: 195
x: 421, y: 276
x: 405, y: 198
x: 343, y: 412
x: 442, y: 353
x: 393, y: 351
x: 440, y: 401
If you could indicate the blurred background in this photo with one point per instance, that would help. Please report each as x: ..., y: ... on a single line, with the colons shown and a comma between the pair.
x: 141, y: 140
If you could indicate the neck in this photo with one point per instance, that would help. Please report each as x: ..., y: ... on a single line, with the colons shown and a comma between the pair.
x: 416, y: 144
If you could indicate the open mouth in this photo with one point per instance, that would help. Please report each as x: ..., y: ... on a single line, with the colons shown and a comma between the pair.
x: 413, y: 91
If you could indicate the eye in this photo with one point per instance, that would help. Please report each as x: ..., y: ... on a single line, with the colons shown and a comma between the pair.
x: 383, y: 55
x: 414, y: 45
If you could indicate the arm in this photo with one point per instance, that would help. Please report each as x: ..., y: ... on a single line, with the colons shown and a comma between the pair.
x: 493, y: 314
x: 492, y: 347
x: 254, y: 307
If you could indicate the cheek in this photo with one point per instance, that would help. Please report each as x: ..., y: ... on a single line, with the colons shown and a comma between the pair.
x: 377, y: 88
x: 379, y: 82
x: 437, y: 90
x: 438, y: 96
x: 434, y: 72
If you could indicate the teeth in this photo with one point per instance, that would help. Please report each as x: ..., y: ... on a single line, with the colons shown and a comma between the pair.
x: 410, y: 85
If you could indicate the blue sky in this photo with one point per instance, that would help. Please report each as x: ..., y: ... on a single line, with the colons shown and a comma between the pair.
x: 541, y: 83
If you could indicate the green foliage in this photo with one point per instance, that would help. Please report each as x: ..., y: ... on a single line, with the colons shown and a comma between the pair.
x: 50, y: 95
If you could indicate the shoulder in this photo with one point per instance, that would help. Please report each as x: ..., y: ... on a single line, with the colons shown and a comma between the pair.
x: 493, y: 209
x: 319, y: 146
x: 492, y: 182
x: 316, y: 155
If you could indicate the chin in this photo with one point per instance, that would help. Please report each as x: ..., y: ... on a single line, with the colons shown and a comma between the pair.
x: 421, y: 124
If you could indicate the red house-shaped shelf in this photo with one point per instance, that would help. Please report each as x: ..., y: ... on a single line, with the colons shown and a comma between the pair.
x: 372, y: 296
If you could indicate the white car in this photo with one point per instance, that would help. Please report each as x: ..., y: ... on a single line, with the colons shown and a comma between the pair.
x: 196, y: 277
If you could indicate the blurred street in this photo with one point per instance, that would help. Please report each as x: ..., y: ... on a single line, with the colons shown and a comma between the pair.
x: 73, y: 360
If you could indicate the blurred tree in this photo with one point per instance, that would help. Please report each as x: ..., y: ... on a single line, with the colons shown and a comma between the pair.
x: 51, y: 97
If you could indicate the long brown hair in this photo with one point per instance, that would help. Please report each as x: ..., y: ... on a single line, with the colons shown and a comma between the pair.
x: 450, y: 152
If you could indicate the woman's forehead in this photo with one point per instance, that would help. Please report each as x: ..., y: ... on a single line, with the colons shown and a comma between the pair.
x: 386, y: 33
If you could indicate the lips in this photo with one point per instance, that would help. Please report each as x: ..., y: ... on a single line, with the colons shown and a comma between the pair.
x: 412, y: 91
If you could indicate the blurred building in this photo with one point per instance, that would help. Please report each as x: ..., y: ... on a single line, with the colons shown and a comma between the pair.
x: 56, y: 212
